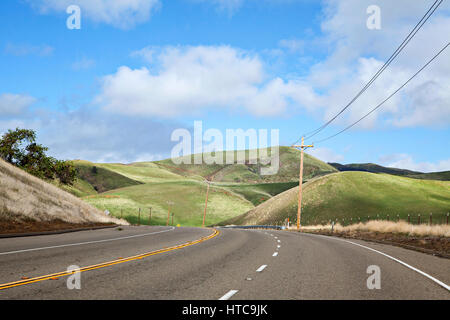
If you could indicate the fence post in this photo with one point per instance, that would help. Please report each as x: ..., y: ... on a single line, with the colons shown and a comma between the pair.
x: 447, y: 217
x: 139, y: 217
x: 418, y: 221
x: 121, y: 213
x: 150, y: 217
x: 431, y: 218
x: 398, y: 217
x: 387, y: 217
x: 409, y: 218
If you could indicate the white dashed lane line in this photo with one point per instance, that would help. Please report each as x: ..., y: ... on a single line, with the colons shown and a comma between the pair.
x: 261, y: 268
x: 442, y: 284
x: 275, y: 254
x: 229, y: 294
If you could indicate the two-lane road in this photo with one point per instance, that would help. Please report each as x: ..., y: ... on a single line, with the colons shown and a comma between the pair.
x: 233, y: 264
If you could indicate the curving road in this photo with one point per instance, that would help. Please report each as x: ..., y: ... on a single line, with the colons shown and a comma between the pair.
x: 235, y: 264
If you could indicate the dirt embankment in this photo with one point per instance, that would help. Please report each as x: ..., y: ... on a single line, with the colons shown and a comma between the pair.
x: 31, y: 226
x: 435, y: 245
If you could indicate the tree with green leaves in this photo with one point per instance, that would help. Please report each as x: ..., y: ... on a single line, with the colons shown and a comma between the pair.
x: 65, y: 171
x: 13, y: 144
x: 19, y: 148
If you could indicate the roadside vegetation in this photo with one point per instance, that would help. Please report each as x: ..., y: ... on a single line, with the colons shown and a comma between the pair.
x: 432, y: 239
x: 383, y: 226
x: 25, y: 198
x: 19, y: 148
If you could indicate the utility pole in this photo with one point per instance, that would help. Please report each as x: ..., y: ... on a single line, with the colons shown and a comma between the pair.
x: 168, y: 213
x: 300, y: 182
x: 206, y: 204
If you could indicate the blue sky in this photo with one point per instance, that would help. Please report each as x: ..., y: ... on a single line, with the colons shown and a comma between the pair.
x: 117, y: 88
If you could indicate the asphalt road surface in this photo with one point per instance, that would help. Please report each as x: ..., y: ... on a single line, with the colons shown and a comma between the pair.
x: 233, y: 264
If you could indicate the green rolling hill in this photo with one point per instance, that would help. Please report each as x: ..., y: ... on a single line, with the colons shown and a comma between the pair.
x: 250, y: 173
x: 236, y: 188
x: 348, y: 195
x: 374, y: 168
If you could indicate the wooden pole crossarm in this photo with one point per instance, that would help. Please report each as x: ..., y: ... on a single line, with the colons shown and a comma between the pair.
x: 307, y: 146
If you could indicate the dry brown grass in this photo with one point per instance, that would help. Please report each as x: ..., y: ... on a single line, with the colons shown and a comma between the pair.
x: 382, y: 226
x: 23, y: 196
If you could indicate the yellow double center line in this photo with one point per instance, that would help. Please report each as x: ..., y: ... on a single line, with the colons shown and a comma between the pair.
x: 106, y: 264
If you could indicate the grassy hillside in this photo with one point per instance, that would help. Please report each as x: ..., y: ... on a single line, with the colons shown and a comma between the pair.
x: 251, y: 173
x: 352, y: 195
x: 188, y: 198
x: 100, y: 178
x: 258, y: 193
x: 374, y: 168
x: 25, y: 198
x: 443, y: 176
x: 80, y: 188
x: 144, y: 172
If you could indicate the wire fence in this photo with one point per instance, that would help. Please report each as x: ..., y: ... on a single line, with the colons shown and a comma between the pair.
x: 144, y: 216
x: 428, y: 219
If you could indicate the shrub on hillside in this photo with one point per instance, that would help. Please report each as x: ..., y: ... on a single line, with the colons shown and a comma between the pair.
x: 19, y: 148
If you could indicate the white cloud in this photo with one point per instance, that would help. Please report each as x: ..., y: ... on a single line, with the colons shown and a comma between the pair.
x: 120, y: 13
x: 26, y: 49
x: 326, y: 155
x: 83, y: 64
x: 293, y: 45
x: 405, y: 161
x: 186, y: 80
x: 147, y: 54
x: 14, y: 104
x: 90, y: 134
x: 358, y: 52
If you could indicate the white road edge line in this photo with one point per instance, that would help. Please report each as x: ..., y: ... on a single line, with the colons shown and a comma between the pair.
x: 82, y: 243
x: 442, y: 284
x: 275, y: 254
x: 261, y: 268
x: 229, y: 294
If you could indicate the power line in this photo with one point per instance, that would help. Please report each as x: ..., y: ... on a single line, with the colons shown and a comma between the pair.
x: 405, y: 42
x: 387, y: 63
x: 388, y: 98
